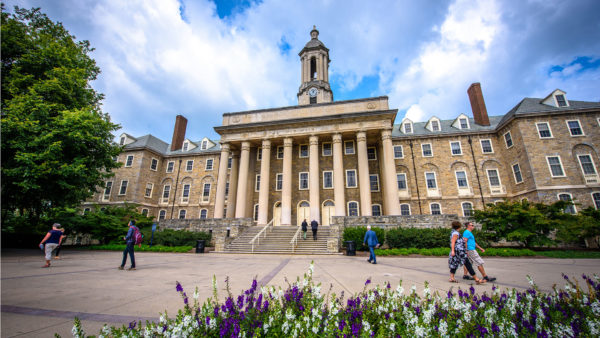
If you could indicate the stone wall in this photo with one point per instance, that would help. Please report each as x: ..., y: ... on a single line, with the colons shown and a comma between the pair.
x: 218, y: 228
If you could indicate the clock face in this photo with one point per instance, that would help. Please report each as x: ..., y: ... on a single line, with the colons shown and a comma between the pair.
x: 313, y: 92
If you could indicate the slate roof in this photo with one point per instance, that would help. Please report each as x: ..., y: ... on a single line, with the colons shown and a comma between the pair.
x: 446, y: 128
x: 153, y: 143
x: 314, y: 43
x: 533, y: 105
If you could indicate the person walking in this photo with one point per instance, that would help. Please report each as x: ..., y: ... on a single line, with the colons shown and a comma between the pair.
x: 371, y: 240
x: 304, y: 228
x: 130, y: 241
x: 52, y: 239
x: 57, y: 250
x: 472, y: 254
x: 458, y: 255
x: 314, y: 225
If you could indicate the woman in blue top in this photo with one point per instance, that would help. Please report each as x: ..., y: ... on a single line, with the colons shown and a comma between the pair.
x: 53, y: 239
x: 458, y: 254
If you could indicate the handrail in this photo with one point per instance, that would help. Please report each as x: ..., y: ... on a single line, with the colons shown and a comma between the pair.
x: 257, y: 237
x: 294, y: 241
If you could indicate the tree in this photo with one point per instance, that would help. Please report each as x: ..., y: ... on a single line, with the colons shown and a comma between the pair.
x: 57, y: 144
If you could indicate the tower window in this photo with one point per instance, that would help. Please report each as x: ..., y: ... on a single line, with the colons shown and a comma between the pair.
x: 313, y: 70
x: 313, y: 99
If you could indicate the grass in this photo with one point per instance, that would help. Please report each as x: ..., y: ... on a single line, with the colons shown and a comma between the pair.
x: 154, y: 248
x: 497, y: 252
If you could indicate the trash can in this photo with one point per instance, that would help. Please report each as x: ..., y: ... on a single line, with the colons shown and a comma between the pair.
x: 350, y: 248
x: 200, y: 246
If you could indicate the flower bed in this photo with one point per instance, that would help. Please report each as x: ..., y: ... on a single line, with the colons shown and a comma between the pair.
x: 382, y: 311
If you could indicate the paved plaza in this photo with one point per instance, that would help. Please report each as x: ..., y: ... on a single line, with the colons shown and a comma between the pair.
x: 40, y: 302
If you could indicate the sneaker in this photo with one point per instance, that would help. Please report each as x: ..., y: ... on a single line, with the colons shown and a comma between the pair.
x: 374, y: 262
x: 467, y: 277
x: 131, y: 268
x: 489, y: 279
x: 121, y: 268
x: 368, y: 260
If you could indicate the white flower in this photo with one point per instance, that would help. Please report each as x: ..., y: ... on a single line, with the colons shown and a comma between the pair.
x: 413, y: 289
x: 315, y: 329
x: 366, y: 326
x: 196, y: 294
x: 400, y: 290
x: 419, y: 331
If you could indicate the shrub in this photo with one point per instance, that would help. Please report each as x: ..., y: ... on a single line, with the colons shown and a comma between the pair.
x: 357, y: 235
x: 170, y: 237
x: 425, y: 238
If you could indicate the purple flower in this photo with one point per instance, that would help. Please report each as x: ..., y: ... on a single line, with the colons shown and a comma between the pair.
x: 389, y: 286
x: 565, y: 276
x: 216, y: 312
x: 179, y: 288
x: 368, y: 282
x: 132, y: 325
x: 495, y: 328
x: 207, y: 320
x: 450, y: 294
x: 164, y: 328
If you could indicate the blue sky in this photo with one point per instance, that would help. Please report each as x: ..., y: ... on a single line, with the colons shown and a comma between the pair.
x: 200, y: 59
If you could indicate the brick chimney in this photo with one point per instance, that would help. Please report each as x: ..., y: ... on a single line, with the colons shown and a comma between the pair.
x: 478, y: 105
x: 178, y: 133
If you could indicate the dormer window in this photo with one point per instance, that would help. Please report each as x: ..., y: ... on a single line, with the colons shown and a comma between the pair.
x: 560, y: 100
x: 408, y: 128
x: 204, y: 144
x: 186, y: 145
x: 435, y: 125
x: 464, y: 123
x: 122, y: 140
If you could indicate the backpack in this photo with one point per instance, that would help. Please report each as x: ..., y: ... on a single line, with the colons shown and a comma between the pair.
x: 137, y: 236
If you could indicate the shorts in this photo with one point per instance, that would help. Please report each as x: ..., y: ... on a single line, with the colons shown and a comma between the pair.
x: 474, y: 257
x: 48, y: 250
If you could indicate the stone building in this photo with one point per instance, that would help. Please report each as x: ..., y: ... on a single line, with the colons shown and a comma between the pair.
x: 324, y: 158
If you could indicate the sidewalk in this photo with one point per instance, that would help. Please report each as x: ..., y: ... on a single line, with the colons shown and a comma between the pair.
x: 40, y: 302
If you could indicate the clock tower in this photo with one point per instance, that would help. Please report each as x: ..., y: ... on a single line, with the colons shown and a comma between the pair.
x: 314, y: 58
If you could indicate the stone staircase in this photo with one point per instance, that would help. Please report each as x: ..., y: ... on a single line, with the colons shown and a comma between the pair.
x: 277, y: 241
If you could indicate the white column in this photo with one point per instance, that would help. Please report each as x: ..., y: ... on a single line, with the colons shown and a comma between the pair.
x: 233, y: 179
x: 221, y: 181
x: 339, y: 187
x: 286, y: 189
x: 240, y: 198
x: 390, y: 190
x: 363, y: 174
x: 263, y: 193
x: 313, y: 174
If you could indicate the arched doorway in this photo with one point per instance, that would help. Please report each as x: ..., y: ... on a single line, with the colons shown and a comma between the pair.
x: 277, y: 214
x: 328, y: 211
x: 303, y: 212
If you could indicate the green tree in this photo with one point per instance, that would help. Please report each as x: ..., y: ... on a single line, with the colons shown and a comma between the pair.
x: 57, y: 144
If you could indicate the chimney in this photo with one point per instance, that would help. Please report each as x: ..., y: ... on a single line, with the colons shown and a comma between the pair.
x: 478, y: 105
x: 178, y: 133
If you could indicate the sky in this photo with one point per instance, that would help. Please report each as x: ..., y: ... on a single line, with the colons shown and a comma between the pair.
x: 203, y: 58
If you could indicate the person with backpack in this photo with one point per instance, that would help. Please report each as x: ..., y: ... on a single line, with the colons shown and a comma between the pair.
x: 134, y: 236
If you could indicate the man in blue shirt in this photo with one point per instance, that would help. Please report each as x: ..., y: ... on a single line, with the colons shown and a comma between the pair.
x: 474, y: 257
x: 372, y: 242
x: 130, y: 241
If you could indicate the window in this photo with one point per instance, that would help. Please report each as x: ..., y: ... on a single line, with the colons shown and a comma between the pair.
x: 303, y: 150
x: 426, y: 148
x: 555, y: 165
x: 278, y: 182
x: 129, y: 161
x: 508, y: 140
x: 122, y: 141
x: 435, y: 209
x: 486, y: 146
x: 327, y: 179
x: 203, y: 213
x: 154, y: 164
x: 182, y: 213
x: 351, y: 178
x: 587, y: 164
x: 461, y: 179
x: 352, y: 208
x: 204, y: 145
x: 455, y: 148
x: 464, y: 123
x: 185, y: 193
x: 435, y: 125
x: 405, y: 209
x: 398, y: 152
x: 348, y: 147
x: 258, y: 154
x: 255, y: 215
x: 376, y: 210
x: 107, y: 190
x: 166, y: 192
x: 209, y: 164
x: 206, y: 192
x: 86, y: 211
x: 257, y: 186
x: 401, y: 178
x: 162, y: 214
x: 431, y: 182
x: 517, y: 172
x: 148, y: 192
x: 229, y: 161
x: 596, y: 198
x: 279, y: 152
x: 186, y: 145
x: 467, y: 208
x: 569, y: 209
x: 123, y: 189
x: 374, y: 182
x: 407, y: 128
x: 327, y: 151
x: 189, y: 165
x: 170, y: 166
x: 145, y: 212
x: 493, y: 177
x: 575, y: 128
x: 560, y: 100
x: 303, y: 183
x: 372, y: 153
x: 544, y: 129
x: 226, y: 189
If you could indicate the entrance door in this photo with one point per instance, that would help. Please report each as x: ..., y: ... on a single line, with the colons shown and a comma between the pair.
x: 303, y: 212
x: 328, y: 211
x: 277, y: 214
